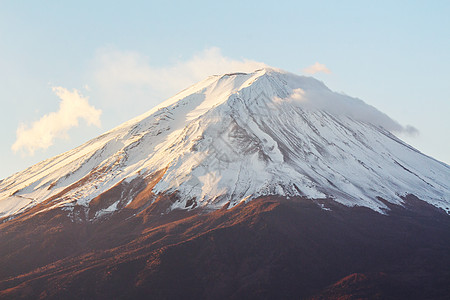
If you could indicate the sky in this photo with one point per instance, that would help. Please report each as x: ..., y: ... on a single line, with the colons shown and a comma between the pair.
x: 70, y: 71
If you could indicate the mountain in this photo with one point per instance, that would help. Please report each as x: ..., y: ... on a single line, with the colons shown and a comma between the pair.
x: 245, y: 185
x: 233, y: 138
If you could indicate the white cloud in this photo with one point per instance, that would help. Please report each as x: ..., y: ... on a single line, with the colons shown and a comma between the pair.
x: 42, y: 133
x: 126, y: 75
x: 339, y: 104
x: 317, y: 68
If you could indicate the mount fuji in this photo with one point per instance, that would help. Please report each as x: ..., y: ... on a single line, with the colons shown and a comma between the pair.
x: 222, y: 168
x: 233, y: 138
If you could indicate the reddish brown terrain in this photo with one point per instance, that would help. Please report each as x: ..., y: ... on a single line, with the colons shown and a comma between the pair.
x: 269, y: 248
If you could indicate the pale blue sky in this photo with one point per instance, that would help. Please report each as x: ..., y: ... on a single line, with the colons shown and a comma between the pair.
x: 395, y: 55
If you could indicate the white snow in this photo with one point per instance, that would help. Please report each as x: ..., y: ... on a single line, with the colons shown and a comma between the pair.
x: 235, y: 137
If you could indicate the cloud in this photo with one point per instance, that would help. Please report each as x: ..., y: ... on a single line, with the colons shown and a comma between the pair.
x: 42, y: 133
x: 338, y: 104
x: 124, y: 75
x: 317, y: 68
x: 410, y: 130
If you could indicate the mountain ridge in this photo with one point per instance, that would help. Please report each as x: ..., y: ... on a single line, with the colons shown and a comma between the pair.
x: 280, y: 133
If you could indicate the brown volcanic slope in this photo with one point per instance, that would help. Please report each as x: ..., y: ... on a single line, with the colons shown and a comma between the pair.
x: 269, y: 248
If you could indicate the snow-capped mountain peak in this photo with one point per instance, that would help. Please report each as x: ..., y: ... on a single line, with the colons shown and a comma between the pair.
x: 232, y: 138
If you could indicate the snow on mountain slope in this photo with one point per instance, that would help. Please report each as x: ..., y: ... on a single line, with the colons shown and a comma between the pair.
x: 235, y: 137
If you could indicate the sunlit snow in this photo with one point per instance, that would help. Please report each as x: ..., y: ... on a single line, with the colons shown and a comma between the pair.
x: 235, y: 137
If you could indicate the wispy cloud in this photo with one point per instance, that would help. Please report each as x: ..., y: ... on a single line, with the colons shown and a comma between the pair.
x: 124, y: 75
x: 317, y: 68
x: 342, y: 105
x: 42, y: 133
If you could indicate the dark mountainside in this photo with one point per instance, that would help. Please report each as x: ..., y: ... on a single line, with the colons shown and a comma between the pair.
x: 269, y: 248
